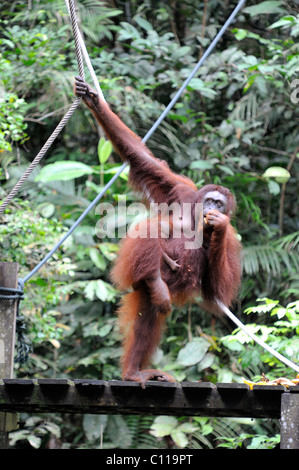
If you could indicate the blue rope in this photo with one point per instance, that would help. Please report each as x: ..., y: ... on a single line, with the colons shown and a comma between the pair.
x: 195, y: 70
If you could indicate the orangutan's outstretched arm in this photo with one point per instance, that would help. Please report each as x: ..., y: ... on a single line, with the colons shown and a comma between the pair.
x: 147, y: 174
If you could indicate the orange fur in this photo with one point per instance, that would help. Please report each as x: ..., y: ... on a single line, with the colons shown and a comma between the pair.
x: 135, y: 314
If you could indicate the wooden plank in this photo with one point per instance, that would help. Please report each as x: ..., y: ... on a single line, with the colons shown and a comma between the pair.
x: 117, y: 397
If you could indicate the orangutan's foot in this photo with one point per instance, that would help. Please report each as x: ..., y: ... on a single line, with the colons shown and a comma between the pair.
x: 145, y: 375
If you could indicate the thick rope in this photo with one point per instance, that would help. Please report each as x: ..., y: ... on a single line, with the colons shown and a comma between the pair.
x: 40, y: 155
x: 60, y: 126
x: 76, y: 34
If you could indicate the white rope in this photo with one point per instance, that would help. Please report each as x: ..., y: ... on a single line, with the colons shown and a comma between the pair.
x: 76, y: 33
x: 78, y: 36
x: 272, y: 351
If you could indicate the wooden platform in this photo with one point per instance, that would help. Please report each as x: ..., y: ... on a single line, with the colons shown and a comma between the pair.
x: 157, y: 398
x: 117, y: 397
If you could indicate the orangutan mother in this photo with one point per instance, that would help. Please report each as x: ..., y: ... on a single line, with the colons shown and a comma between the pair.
x: 165, y: 270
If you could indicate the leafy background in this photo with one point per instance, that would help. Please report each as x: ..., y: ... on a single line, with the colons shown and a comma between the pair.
x: 236, y: 124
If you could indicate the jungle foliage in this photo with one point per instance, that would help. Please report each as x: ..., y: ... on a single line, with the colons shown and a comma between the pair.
x: 236, y: 124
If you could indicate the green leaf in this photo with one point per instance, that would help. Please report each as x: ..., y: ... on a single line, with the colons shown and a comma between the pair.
x: 178, y: 117
x: 265, y: 8
x: 109, y: 250
x: 181, y: 52
x: 179, y: 438
x: 100, y: 289
x: 226, y: 170
x: 104, y: 150
x: 105, y: 330
x: 46, y: 209
x: 274, y: 187
x: 144, y: 24
x: 201, y: 165
x: 232, y: 343
x: 193, y: 352
x: 260, y: 83
x: 93, y: 426
x: 119, y: 432
x: 187, y: 427
x: 206, y: 362
x: 199, y: 85
x: 196, y: 84
x: 104, y: 291
x: 281, y: 175
x: 128, y: 31
x: 163, y: 426
x: 97, y: 258
x: 34, y: 441
x: 240, y: 34
x: 63, y: 171
x: 284, y: 21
